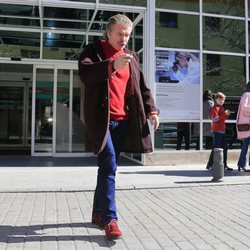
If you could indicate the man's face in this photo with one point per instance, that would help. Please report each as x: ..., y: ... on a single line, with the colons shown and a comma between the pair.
x: 118, y: 36
x: 220, y: 101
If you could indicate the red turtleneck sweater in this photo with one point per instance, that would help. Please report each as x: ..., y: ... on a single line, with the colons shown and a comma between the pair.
x: 117, y: 85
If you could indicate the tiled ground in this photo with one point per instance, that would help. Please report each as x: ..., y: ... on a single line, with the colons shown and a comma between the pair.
x: 206, y: 217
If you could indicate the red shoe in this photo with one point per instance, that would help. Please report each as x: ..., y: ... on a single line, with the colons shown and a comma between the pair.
x: 97, y: 220
x: 112, y: 231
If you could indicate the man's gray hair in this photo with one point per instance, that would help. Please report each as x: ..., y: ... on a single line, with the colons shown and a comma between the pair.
x: 119, y: 18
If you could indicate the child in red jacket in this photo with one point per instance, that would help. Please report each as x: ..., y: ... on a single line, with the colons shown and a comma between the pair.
x: 219, y: 115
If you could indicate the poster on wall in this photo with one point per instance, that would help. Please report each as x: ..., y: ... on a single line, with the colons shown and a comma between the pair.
x: 177, y: 77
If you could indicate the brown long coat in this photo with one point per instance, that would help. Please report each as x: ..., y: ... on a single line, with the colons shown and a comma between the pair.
x: 93, y: 71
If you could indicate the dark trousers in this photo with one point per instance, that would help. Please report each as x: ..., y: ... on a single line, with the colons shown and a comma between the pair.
x: 183, y: 133
x: 208, y: 142
x: 219, y: 141
x: 104, y: 197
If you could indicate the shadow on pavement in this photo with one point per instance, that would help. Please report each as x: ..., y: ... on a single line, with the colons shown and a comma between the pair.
x: 36, y: 161
x: 18, y: 234
x: 194, y: 182
x: 186, y: 173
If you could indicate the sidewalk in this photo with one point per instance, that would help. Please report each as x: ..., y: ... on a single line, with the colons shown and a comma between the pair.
x: 164, y: 207
x: 77, y: 178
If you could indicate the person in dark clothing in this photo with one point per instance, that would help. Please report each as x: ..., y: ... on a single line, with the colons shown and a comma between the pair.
x: 117, y: 104
x: 208, y: 103
x: 183, y: 132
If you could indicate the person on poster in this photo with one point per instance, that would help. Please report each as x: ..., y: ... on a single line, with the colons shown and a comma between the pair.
x: 117, y: 106
x: 175, y: 73
x: 188, y: 68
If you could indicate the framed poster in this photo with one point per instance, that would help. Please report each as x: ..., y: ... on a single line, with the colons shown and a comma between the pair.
x: 177, y: 77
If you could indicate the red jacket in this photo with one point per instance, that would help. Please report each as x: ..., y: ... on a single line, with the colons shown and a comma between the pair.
x: 93, y: 71
x: 218, y: 117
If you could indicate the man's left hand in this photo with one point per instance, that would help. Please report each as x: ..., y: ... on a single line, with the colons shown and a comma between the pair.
x: 154, y: 121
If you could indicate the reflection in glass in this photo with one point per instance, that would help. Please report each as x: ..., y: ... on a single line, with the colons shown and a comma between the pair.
x: 181, y: 5
x: 222, y: 34
x: 249, y: 37
x: 19, y: 10
x: 11, y: 115
x: 44, y: 110
x: 65, y: 25
x: 186, y: 136
x: 142, y: 3
x: 232, y: 103
x: 77, y: 116
x: 138, y: 37
x: 226, y: 75
x: 62, y: 46
x: 233, y: 141
x: 231, y: 8
x: 183, y: 135
x: 207, y: 135
x: 15, y: 51
x: 182, y: 34
x: 11, y: 21
x: 62, y: 111
x: 20, y: 44
x: 67, y: 13
x: 176, y: 136
x: 28, y: 134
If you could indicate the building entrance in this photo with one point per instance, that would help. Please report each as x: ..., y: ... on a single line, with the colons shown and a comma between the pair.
x: 15, y: 108
x: 41, y: 96
x: 57, y: 117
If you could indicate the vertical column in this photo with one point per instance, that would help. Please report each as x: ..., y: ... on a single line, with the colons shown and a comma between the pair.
x: 54, y: 112
x: 149, y: 50
x: 247, y: 40
x: 201, y: 75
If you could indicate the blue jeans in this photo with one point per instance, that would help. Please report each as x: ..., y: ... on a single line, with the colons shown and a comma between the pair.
x: 243, y: 153
x: 219, y: 141
x: 104, y: 198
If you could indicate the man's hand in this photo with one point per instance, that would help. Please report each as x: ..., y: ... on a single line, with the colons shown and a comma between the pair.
x: 154, y: 121
x: 122, y: 61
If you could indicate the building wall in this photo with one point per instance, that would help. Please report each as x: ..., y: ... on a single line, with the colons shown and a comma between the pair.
x: 216, y: 31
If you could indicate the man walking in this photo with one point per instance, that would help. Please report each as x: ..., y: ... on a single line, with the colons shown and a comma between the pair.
x: 117, y: 104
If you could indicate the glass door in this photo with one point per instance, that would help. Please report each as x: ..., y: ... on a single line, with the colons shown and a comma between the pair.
x: 15, y: 116
x: 42, y: 110
x: 63, y: 114
x: 57, y: 112
x: 69, y: 113
x: 11, y: 115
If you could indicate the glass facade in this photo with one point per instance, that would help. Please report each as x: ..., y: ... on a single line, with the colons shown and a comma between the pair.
x: 217, y: 31
x: 64, y: 30
x: 223, y: 34
x: 47, y: 36
x: 176, y: 30
x: 212, y: 37
x: 15, y: 107
x: 180, y: 5
x: 229, y: 8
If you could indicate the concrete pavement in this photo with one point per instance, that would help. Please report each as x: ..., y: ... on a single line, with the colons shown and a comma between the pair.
x: 76, y: 178
x: 163, y: 207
